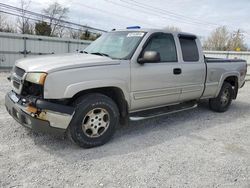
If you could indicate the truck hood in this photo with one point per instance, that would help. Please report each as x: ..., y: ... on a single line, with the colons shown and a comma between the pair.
x: 52, y: 63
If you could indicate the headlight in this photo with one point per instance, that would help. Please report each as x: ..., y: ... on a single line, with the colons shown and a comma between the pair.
x: 35, y: 77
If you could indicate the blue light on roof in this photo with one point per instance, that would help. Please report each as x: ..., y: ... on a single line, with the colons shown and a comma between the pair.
x: 134, y: 27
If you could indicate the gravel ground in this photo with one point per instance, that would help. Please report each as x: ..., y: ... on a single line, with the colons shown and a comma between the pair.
x: 196, y: 148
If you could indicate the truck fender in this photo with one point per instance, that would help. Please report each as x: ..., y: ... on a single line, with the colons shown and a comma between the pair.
x: 73, y: 89
x: 224, y: 77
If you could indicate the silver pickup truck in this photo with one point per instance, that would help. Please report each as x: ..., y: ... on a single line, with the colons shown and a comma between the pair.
x: 129, y: 74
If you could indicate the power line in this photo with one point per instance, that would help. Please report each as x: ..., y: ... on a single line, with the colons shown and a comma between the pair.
x: 182, y: 17
x: 178, y: 16
x: 146, y: 11
x: 42, y: 16
x: 38, y: 20
x: 171, y: 15
x: 117, y: 15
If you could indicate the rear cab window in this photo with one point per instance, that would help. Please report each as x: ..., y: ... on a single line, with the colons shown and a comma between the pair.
x: 190, y: 52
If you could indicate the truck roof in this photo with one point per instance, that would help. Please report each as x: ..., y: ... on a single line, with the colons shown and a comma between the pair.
x: 155, y: 30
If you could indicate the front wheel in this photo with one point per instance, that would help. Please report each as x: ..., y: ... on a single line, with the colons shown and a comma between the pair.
x: 95, y: 120
x: 222, y: 102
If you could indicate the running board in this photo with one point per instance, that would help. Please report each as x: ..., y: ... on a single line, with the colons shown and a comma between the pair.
x: 152, y: 113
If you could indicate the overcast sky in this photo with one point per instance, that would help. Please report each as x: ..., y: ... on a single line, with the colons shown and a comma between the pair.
x: 199, y: 17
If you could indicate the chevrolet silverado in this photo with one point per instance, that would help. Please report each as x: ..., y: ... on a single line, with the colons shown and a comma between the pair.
x: 126, y: 74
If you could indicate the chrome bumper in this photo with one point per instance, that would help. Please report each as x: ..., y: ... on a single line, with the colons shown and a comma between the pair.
x: 44, y: 121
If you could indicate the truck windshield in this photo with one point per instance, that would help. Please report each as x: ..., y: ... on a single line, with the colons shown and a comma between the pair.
x: 116, y: 45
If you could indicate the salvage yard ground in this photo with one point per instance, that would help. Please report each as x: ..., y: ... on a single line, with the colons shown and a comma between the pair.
x: 196, y: 148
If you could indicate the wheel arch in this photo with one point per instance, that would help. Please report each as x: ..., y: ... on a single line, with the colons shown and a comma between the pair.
x: 233, y: 79
x: 115, y: 93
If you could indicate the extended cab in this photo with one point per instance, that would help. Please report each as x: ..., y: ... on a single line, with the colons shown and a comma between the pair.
x: 136, y: 74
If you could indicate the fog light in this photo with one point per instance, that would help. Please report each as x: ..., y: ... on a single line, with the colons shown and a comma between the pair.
x: 17, y: 115
x: 28, y: 121
x: 31, y: 109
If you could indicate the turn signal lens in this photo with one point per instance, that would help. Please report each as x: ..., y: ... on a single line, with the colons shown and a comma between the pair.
x: 37, y: 78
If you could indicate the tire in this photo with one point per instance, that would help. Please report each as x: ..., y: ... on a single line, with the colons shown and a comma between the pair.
x: 94, y: 122
x: 222, y: 102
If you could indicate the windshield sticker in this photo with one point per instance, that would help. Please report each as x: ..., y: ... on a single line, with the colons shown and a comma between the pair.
x: 135, y: 34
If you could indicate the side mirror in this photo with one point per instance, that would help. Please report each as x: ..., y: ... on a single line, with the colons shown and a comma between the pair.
x: 149, y: 57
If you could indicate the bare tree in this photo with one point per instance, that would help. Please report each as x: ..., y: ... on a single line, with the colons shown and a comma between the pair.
x: 2, y: 22
x: 222, y: 39
x: 75, y: 34
x: 236, y: 41
x: 218, y: 40
x: 5, y: 26
x: 61, y: 31
x: 173, y: 28
x: 23, y: 22
x: 57, y: 13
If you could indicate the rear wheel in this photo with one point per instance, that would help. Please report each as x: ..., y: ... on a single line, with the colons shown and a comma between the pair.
x: 222, y: 102
x: 95, y: 120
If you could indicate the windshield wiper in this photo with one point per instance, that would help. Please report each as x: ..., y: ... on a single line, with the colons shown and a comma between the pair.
x: 99, y: 53
x: 83, y: 52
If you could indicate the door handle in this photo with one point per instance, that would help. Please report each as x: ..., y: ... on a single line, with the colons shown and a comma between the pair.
x: 177, y: 71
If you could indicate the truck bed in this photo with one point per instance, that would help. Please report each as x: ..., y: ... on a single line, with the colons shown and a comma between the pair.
x: 222, y: 60
x: 217, y: 69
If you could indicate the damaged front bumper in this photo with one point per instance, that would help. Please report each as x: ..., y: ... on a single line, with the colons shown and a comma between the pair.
x: 41, y: 116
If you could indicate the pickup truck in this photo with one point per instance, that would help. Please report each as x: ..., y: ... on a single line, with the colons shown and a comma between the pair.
x: 130, y: 74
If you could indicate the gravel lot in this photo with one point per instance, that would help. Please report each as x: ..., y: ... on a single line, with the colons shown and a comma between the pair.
x: 196, y: 148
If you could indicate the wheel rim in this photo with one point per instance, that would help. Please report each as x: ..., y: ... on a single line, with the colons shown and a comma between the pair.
x: 225, y: 97
x: 96, y: 122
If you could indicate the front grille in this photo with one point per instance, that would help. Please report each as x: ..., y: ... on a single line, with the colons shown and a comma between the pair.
x: 19, y: 72
x: 17, y: 79
x: 16, y: 82
x: 16, y: 85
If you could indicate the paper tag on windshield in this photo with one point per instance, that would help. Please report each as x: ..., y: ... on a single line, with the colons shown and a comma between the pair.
x: 135, y: 34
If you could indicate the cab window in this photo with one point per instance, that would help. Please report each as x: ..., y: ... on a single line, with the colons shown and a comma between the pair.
x: 189, y: 48
x: 164, y: 44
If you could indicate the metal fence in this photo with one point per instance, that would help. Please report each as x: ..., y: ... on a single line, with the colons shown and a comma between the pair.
x: 231, y: 55
x: 16, y: 46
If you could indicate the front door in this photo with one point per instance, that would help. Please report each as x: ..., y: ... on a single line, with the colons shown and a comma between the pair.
x: 156, y: 84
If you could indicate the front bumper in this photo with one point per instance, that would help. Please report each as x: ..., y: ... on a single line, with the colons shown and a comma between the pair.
x: 48, y: 122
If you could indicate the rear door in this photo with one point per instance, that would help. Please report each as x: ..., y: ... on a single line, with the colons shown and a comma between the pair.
x: 155, y: 84
x: 193, y: 68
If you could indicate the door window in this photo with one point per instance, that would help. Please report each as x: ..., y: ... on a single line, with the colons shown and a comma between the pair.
x: 164, y: 44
